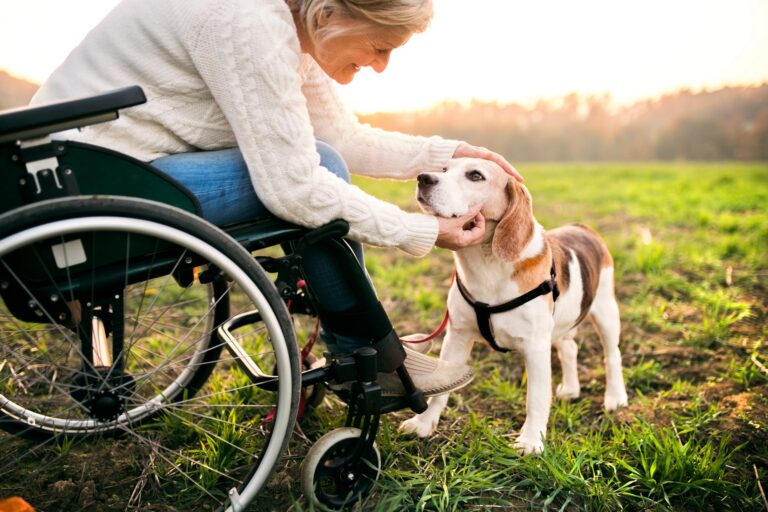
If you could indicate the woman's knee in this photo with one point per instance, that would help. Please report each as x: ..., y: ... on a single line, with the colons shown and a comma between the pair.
x: 332, y: 160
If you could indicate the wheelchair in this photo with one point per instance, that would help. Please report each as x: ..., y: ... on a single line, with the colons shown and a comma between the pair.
x: 133, y: 329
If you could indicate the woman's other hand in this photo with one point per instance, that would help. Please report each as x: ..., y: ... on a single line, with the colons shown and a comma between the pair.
x: 465, y: 150
x: 458, y: 232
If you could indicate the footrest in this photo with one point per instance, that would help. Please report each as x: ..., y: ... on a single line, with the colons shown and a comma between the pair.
x: 244, y: 361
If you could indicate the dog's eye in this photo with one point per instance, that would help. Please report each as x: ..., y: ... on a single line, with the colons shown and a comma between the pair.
x: 475, y: 176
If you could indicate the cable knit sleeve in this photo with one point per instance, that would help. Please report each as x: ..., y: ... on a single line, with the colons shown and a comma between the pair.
x: 248, y: 54
x: 367, y: 150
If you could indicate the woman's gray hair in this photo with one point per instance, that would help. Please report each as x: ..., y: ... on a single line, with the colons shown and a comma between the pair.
x: 403, y: 17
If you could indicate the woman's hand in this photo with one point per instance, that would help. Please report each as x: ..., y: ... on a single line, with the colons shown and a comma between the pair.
x: 458, y: 232
x: 465, y: 150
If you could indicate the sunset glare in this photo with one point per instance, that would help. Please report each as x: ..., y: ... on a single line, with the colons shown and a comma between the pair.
x: 501, y: 50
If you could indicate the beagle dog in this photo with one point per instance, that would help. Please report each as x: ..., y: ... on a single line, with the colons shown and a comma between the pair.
x: 553, y: 280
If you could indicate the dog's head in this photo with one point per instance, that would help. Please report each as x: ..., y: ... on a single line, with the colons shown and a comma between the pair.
x: 505, y: 203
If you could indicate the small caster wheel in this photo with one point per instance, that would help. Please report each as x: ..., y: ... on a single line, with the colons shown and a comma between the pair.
x: 316, y: 393
x: 330, y: 478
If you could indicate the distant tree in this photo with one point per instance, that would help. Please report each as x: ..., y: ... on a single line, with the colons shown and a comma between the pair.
x: 760, y: 135
x: 694, y: 139
x: 728, y: 123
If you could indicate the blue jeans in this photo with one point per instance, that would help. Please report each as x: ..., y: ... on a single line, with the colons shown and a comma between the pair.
x: 221, y: 183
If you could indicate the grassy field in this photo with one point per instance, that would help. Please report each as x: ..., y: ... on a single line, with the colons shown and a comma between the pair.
x: 691, y: 248
x: 690, y: 243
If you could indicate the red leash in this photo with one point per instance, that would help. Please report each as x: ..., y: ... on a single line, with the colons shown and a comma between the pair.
x: 437, y: 332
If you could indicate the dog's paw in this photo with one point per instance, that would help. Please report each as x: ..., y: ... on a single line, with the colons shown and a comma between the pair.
x: 615, y: 400
x: 528, y: 446
x: 420, y: 427
x: 566, y: 392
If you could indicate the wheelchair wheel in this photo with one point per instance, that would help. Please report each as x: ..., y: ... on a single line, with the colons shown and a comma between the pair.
x: 109, y: 327
x: 332, y: 477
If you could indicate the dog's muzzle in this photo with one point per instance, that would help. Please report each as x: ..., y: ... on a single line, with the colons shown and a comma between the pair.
x: 426, y: 183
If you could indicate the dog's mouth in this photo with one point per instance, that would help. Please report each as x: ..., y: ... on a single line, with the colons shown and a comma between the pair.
x: 432, y: 207
x: 424, y: 201
x: 426, y: 204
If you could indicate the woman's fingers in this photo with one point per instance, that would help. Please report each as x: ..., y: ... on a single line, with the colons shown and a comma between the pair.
x: 506, y: 166
x: 458, y: 232
x: 479, y: 222
x: 465, y: 150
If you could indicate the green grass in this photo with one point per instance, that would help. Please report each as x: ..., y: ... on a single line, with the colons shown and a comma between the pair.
x: 690, y: 244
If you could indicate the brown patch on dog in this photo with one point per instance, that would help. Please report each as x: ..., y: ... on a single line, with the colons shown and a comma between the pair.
x: 606, y: 260
x: 516, y: 227
x: 591, y: 254
x: 530, y: 272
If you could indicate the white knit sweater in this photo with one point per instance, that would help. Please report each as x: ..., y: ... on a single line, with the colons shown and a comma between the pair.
x: 225, y: 73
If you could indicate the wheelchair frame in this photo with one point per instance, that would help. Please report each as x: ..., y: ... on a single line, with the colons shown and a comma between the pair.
x: 62, y: 211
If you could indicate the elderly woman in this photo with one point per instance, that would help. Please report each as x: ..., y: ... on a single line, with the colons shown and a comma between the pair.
x: 240, y: 96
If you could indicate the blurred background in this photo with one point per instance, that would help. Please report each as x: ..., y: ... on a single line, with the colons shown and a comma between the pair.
x: 552, y: 80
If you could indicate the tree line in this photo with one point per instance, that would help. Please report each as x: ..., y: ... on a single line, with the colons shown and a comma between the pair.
x: 725, y: 124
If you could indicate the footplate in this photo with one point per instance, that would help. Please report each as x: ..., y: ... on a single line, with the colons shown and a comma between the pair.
x: 244, y: 360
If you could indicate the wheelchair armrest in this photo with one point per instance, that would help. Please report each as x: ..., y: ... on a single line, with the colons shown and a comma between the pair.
x: 38, y: 121
x: 260, y: 233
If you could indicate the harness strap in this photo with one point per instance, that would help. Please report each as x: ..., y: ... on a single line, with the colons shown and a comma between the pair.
x: 484, y: 311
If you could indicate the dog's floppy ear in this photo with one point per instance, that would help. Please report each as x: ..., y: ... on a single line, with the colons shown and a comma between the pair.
x: 515, y: 230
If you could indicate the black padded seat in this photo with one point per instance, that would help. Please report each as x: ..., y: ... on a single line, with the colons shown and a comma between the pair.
x: 38, y: 121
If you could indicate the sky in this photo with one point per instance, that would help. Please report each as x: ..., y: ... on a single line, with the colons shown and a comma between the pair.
x: 499, y: 50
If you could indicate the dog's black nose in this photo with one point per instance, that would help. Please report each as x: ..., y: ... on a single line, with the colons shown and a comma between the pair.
x: 426, y: 180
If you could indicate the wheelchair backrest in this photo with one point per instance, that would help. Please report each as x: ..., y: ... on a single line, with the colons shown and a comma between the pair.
x: 96, y: 171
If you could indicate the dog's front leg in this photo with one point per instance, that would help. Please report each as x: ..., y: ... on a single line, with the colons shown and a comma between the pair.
x: 456, y: 348
x: 538, y: 354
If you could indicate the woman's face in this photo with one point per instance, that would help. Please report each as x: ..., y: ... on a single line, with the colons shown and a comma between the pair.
x: 341, y: 57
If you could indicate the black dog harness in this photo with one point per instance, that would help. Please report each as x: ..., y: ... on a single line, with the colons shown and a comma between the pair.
x: 484, y: 311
